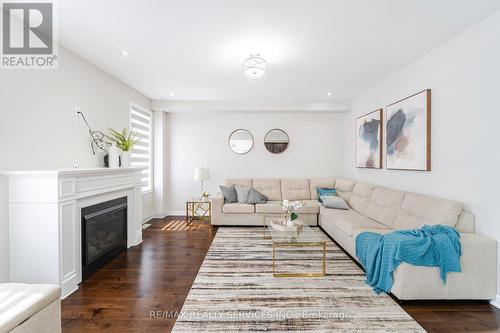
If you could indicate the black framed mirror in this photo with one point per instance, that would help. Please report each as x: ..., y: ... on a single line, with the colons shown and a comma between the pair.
x: 276, y: 141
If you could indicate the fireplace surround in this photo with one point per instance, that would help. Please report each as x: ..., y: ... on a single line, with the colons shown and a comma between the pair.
x: 45, y: 222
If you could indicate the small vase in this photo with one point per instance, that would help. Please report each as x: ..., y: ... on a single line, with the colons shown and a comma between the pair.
x: 125, y: 158
x: 287, y: 220
x: 114, y: 157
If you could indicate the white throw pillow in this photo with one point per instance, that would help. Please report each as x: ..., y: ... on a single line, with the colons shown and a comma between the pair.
x: 334, y: 202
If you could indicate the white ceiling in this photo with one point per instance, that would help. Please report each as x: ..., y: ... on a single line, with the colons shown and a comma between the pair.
x: 195, y: 48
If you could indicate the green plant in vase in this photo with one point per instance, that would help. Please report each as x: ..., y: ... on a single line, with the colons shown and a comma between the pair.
x: 125, y: 141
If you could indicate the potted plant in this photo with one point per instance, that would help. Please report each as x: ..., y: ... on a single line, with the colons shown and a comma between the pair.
x: 125, y: 142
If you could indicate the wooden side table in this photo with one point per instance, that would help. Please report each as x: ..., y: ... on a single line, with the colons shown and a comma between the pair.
x: 198, y: 209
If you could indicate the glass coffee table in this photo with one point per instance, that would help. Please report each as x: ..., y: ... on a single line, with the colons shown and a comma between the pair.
x: 300, y: 236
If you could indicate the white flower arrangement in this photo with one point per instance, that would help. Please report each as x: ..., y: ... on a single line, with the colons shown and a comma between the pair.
x: 290, y: 207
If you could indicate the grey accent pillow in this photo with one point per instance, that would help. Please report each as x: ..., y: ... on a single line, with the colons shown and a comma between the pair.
x: 255, y: 197
x: 334, y: 202
x: 229, y: 194
x: 242, y: 193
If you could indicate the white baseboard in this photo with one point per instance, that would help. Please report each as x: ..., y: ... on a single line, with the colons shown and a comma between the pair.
x: 176, y: 213
x: 163, y: 215
x: 496, y: 302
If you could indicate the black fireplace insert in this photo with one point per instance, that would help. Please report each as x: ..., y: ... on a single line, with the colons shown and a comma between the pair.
x: 104, y: 233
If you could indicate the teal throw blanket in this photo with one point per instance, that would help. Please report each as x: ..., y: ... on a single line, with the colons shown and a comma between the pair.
x: 432, y: 246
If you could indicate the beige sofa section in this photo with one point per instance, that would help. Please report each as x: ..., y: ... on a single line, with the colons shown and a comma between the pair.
x: 382, y: 210
x: 276, y: 190
x: 30, y: 308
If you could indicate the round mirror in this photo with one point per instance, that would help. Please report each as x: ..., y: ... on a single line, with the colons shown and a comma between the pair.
x: 276, y: 141
x: 241, y: 141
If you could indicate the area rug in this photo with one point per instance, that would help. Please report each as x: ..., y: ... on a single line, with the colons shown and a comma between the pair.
x: 235, y: 291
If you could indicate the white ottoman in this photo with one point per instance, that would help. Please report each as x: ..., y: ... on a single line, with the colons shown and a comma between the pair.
x: 33, y: 308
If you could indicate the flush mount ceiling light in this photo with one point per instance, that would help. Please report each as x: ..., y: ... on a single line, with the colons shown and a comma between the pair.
x: 254, y: 66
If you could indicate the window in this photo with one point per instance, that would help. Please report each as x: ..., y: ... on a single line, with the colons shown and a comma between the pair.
x: 141, y: 122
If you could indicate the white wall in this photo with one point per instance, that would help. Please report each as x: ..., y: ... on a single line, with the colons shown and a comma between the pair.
x: 39, y: 127
x: 193, y: 140
x: 464, y: 75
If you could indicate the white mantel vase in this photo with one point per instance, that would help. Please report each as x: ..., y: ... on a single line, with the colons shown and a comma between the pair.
x: 114, y: 157
x: 125, y: 159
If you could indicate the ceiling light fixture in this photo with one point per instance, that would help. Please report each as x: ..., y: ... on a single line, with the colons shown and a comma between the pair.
x: 254, y: 66
x: 125, y: 53
x: 172, y: 94
x: 329, y: 93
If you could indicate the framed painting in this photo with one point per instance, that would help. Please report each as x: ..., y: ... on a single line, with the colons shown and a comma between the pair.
x: 369, y: 140
x: 408, y: 133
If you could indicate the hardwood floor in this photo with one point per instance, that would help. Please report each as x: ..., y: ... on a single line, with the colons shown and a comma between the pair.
x: 154, y: 276
x: 454, y: 317
x: 136, y: 291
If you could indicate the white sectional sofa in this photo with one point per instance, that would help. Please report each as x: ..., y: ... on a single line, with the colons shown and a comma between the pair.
x: 379, y: 209
x: 30, y: 308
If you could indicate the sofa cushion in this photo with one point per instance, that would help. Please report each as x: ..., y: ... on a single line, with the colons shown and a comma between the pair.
x: 357, y: 231
x: 361, y: 196
x: 418, y: 210
x: 238, y: 208
x: 270, y: 207
x: 385, y: 205
x: 348, y: 220
x: 271, y: 188
x: 310, y: 207
x: 274, y: 207
x: 320, y: 182
x: 239, y: 182
x: 344, y: 188
x: 295, y: 189
x: 22, y: 301
x: 466, y: 222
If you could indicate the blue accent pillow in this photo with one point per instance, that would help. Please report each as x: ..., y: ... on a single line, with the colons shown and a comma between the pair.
x: 325, y: 191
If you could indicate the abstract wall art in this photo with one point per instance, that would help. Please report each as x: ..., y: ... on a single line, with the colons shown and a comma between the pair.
x: 369, y: 140
x: 408, y: 133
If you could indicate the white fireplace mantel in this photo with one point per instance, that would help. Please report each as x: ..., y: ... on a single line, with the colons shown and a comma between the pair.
x: 45, y: 219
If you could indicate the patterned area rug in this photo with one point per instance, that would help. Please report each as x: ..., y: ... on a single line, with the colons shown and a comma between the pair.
x: 235, y: 291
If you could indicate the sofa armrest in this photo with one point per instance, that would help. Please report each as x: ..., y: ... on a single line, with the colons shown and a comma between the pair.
x: 476, y: 281
x: 217, y: 202
x: 479, y: 256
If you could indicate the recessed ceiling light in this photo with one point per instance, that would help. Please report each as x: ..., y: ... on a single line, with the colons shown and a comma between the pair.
x: 172, y: 94
x: 329, y: 94
x: 124, y: 53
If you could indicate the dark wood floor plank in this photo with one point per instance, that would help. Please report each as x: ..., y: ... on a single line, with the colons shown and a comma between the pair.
x: 157, y: 276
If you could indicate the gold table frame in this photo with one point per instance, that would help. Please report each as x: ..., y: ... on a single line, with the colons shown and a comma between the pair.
x: 193, y: 208
x: 276, y: 245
